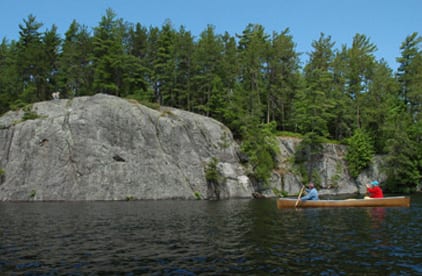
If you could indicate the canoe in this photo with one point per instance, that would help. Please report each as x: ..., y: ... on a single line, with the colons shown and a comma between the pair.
x: 398, y: 201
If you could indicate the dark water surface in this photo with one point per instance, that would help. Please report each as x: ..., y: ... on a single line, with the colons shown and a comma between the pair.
x: 208, y: 237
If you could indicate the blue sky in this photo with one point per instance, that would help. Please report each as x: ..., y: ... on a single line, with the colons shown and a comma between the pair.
x: 386, y: 22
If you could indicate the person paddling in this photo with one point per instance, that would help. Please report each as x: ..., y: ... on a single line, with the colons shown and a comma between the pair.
x: 374, y: 190
x: 311, y: 193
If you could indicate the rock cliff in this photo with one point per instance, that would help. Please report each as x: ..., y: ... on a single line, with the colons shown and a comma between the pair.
x: 107, y: 148
x: 330, y: 169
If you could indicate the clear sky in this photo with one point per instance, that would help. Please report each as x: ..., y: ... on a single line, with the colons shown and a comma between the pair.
x: 385, y: 22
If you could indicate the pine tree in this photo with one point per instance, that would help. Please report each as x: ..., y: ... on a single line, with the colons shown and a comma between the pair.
x: 360, y: 66
x: 229, y: 67
x: 75, y: 73
x: 409, y: 74
x: 184, y: 48
x: 253, y: 44
x: 342, y: 113
x: 206, y: 59
x: 377, y: 103
x: 403, y: 165
x: 109, y: 55
x: 315, y: 102
x: 9, y: 87
x: 29, y: 55
x: 49, y: 63
x: 164, y: 66
x: 138, y: 74
x: 150, y: 60
x: 229, y: 73
x: 404, y: 146
x: 283, y: 79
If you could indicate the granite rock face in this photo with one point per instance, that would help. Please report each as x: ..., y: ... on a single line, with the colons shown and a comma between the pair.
x: 331, y: 171
x: 107, y: 148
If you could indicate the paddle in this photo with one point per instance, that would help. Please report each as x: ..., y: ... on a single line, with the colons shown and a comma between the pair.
x: 298, y: 197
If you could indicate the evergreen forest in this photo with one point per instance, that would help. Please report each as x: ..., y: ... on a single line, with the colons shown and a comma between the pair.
x: 253, y: 82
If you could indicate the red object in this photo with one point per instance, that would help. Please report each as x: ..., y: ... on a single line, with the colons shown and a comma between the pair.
x: 375, y: 192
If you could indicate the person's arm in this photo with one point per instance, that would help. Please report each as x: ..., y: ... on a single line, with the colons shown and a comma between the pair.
x: 306, y: 197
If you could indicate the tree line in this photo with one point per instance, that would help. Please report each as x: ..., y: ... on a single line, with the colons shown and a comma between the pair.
x: 253, y: 82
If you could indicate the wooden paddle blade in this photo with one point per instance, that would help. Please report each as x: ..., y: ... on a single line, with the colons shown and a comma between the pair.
x: 300, y: 194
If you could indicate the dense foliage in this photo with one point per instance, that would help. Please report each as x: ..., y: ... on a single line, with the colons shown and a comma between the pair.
x: 360, y: 152
x: 245, y: 81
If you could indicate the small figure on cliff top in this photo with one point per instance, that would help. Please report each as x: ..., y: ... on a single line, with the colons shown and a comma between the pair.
x: 56, y: 95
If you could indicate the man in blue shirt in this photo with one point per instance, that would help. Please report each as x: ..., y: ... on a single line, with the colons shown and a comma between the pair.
x: 311, y: 193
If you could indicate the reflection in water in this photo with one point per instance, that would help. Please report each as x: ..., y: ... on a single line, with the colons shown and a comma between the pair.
x: 377, y: 215
x: 207, y: 237
x: 378, y: 236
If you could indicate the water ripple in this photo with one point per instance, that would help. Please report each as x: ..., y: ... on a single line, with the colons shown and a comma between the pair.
x: 207, y: 238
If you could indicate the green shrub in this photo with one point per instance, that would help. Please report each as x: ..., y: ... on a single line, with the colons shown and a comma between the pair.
x: 225, y: 141
x: 130, y: 197
x: 280, y: 193
x: 289, y: 134
x: 211, y: 172
x: 197, y: 195
x: 359, y: 152
x: 143, y: 100
x: 335, y: 178
x: 18, y: 104
x: 260, y: 145
x: 30, y: 115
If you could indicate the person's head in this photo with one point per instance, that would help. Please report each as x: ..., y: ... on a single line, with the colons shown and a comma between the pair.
x: 374, y: 183
x: 311, y: 185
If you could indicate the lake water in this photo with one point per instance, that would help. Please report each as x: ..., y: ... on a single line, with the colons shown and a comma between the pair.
x: 208, y: 238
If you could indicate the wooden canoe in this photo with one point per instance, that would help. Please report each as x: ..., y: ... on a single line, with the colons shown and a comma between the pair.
x: 399, y: 201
